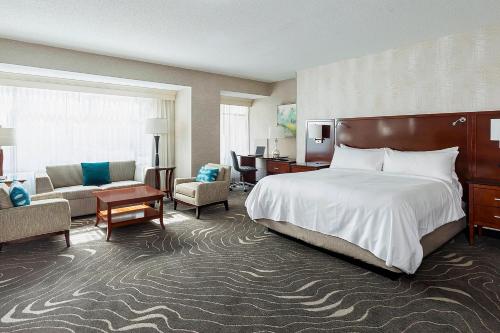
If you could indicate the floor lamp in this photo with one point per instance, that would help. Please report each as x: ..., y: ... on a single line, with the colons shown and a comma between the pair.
x: 7, y: 138
x: 157, y: 126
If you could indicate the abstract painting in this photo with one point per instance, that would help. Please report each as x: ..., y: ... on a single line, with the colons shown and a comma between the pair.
x: 287, y: 118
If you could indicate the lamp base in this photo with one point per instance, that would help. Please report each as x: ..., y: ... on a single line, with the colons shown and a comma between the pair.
x: 157, y: 156
x: 276, y: 152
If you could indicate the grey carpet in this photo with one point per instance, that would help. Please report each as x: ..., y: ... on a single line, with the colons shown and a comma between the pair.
x: 225, y: 273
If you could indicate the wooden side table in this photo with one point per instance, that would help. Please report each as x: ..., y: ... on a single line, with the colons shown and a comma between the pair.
x: 9, y: 182
x: 169, y: 180
x: 309, y: 166
x: 484, y: 206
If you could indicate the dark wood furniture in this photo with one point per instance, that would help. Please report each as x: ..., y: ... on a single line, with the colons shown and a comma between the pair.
x: 274, y: 167
x: 169, y: 180
x: 484, y: 206
x: 9, y: 182
x: 128, y: 206
x: 320, y: 151
x: 309, y: 166
x: 249, y: 160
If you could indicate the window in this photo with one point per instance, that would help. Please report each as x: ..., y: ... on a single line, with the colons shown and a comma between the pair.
x: 59, y: 127
x: 234, y: 132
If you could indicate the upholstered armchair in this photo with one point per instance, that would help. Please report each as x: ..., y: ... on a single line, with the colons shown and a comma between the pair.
x: 48, y: 213
x: 190, y: 192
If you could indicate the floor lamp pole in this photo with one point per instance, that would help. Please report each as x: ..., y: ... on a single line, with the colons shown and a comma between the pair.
x: 157, y: 156
x: 1, y: 162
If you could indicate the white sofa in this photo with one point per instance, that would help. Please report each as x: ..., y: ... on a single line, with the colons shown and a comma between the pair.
x: 68, y: 180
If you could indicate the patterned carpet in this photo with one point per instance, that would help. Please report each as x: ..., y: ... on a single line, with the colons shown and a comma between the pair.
x: 224, y: 273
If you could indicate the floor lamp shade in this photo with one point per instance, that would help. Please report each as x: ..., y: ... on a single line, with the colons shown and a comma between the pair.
x: 156, y: 126
x: 7, y: 138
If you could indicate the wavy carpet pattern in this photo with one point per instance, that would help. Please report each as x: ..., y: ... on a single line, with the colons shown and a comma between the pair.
x: 224, y: 273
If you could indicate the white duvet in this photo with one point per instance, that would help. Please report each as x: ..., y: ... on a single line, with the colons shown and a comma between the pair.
x: 384, y: 213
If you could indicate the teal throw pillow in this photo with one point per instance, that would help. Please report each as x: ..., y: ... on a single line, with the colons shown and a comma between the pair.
x: 96, y: 173
x: 207, y: 175
x: 19, y: 195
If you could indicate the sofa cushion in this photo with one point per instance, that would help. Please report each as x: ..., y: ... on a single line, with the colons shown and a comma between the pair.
x: 77, y: 191
x: 120, y: 184
x: 222, y: 171
x: 19, y: 195
x: 122, y: 170
x: 96, y: 173
x: 5, y: 197
x: 188, y: 189
x: 65, y: 175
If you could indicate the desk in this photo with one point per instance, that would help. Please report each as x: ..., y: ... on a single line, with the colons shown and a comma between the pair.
x: 273, y: 166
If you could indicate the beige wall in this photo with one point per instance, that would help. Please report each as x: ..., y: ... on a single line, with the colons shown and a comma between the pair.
x: 263, y: 115
x: 451, y: 74
x: 205, y: 87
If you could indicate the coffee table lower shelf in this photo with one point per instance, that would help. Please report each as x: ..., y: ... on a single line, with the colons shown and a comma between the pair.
x: 123, y: 216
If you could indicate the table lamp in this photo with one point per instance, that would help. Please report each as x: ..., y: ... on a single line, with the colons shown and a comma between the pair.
x: 276, y: 132
x: 156, y: 126
x: 7, y: 138
x: 495, y: 131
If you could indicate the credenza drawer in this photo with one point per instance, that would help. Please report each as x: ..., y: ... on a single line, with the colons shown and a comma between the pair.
x: 487, y: 197
x: 488, y: 216
x: 277, y: 167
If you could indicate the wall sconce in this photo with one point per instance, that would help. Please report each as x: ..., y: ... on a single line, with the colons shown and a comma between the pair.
x: 495, y: 131
x: 319, y: 132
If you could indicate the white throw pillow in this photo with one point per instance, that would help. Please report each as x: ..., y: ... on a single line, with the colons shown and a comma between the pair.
x: 435, y: 164
x: 351, y: 158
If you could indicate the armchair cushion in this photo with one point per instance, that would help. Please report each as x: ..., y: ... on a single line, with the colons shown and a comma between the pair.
x: 19, y: 195
x: 45, y: 196
x: 188, y: 189
x: 5, y: 197
x: 207, y: 175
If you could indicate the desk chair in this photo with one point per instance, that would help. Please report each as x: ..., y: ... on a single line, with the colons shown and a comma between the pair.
x: 242, y: 170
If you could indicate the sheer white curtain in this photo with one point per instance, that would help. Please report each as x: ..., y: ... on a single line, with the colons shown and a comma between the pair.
x: 59, y: 127
x: 234, y: 131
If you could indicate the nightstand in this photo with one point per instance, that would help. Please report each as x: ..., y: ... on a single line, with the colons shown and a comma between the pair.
x: 484, y: 206
x: 309, y: 166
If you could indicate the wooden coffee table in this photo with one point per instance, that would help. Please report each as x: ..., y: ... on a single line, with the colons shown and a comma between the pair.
x: 128, y: 206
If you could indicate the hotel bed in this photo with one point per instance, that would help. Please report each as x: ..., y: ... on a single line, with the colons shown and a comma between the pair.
x: 386, y: 219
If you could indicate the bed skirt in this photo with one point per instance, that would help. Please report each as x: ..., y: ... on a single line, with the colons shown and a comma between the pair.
x: 430, y: 242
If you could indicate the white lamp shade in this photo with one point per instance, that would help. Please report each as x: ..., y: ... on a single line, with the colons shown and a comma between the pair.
x: 495, y: 129
x: 276, y: 132
x: 156, y: 126
x: 315, y: 131
x: 7, y: 137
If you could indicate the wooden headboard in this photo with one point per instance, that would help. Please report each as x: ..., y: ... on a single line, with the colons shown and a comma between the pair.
x: 479, y: 157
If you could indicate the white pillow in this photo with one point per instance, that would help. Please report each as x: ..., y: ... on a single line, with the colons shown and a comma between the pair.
x: 351, y: 158
x: 435, y: 164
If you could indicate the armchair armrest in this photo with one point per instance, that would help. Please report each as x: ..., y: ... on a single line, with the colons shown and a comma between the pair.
x: 43, y: 184
x: 178, y: 181
x: 45, y: 196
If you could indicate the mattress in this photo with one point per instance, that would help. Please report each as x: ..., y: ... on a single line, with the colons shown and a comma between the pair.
x: 384, y: 213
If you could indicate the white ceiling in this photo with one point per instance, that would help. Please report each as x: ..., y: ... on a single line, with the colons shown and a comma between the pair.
x: 267, y: 40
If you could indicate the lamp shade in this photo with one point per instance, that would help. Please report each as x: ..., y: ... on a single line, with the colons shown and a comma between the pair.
x: 7, y: 137
x: 315, y: 131
x: 156, y: 126
x: 495, y: 130
x: 275, y: 132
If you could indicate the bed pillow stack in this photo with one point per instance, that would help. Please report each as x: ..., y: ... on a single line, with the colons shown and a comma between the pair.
x: 438, y: 164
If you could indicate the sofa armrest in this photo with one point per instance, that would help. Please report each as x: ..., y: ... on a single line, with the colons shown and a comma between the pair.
x: 178, y: 181
x: 45, y: 196
x: 41, y: 217
x: 43, y: 184
x: 212, y: 192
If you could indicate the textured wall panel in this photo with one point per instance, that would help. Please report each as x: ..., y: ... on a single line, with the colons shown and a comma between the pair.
x: 452, y: 74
